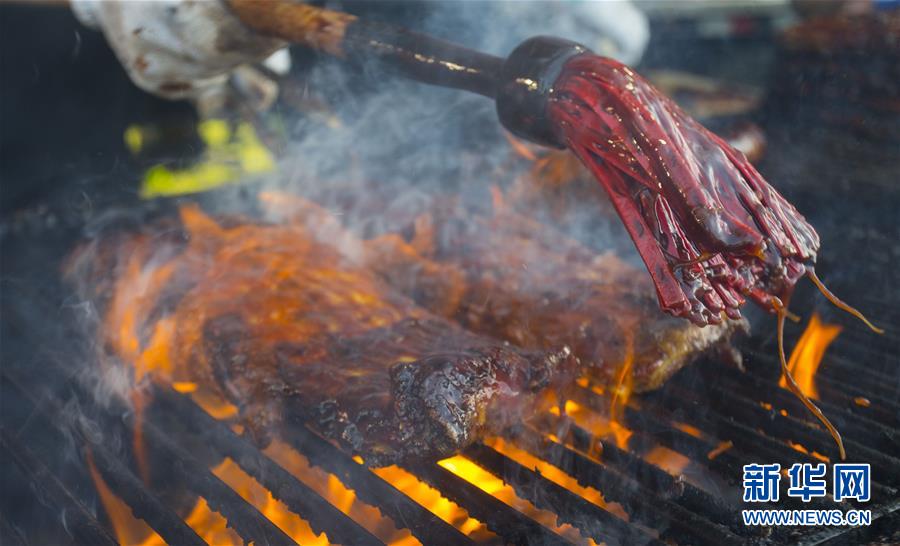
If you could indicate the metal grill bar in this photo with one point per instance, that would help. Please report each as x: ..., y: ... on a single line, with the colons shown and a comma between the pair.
x: 846, y: 377
x: 753, y: 385
x: 128, y: 487
x: 241, y: 516
x: 862, y: 432
x: 628, y: 464
x: 82, y: 526
x: 691, y: 514
x: 758, y: 446
x: 775, y: 424
x: 882, y: 409
x: 642, y: 504
x: 651, y: 424
x: 747, y: 441
x: 372, y: 489
x: 661, y: 483
x: 590, y: 520
x: 745, y: 438
x: 305, y: 502
x: 648, y: 407
x: 870, y: 349
x: 509, y: 523
x: 885, y: 524
x: 859, y: 334
x: 244, y: 518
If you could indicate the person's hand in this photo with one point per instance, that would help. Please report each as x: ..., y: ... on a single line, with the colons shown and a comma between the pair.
x: 177, y: 48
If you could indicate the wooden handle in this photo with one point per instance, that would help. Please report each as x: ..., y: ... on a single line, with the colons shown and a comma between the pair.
x: 296, y: 22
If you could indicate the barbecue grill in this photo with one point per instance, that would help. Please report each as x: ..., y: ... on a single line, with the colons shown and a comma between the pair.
x: 677, y: 478
x: 673, y: 477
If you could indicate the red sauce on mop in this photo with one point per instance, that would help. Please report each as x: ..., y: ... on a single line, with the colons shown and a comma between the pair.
x: 709, y: 228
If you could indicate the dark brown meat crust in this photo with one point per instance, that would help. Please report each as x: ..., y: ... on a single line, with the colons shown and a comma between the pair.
x: 506, y: 276
x: 531, y: 285
x: 286, y: 329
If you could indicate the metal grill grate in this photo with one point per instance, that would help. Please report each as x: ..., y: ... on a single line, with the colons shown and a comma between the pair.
x: 662, y: 507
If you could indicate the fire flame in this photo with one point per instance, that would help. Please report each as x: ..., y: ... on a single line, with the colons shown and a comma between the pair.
x: 671, y: 461
x: 127, y: 528
x: 808, y: 353
x: 599, y: 425
x: 131, y: 531
x: 556, y: 475
x: 212, y: 527
x: 494, y: 486
x: 431, y: 498
x: 621, y: 392
x: 618, y: 393
x: 157, y: 352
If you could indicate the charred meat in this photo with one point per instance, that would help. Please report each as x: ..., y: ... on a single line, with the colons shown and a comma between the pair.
x: 504, y: 275
x: 285, y: 327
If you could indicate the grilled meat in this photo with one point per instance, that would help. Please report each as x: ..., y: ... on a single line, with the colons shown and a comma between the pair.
x: 530, y: 285
x: 504, y: 275
x: 284, y: 327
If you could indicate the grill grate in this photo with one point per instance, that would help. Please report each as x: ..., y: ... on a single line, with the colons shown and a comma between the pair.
x: 53, y: 495
x: 661, y: 507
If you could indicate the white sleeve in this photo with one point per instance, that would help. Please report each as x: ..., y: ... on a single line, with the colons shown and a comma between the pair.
x: 176, y: 48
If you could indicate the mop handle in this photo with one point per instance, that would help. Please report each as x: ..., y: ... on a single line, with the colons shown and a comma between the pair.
x: 414, y: 55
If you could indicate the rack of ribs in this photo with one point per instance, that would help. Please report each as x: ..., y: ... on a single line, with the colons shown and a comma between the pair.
x: 284, y: 327
x: 502, y: 274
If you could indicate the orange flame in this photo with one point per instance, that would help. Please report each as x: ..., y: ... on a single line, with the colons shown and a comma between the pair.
x: 556, y: 475
x: 671, y: 461
x: 808, y: 353
x: 127, y: 528
x: 621, y: 392
x: 157, y: 350
x: 494, y: 486
x: 131, y: 531
x: 600, y: 425
x: 520, y: 148
x: 258, y: 496
x: 721, y: 448
x: 432, y: 500
x: 802, y: 449
x: 344, y: 499
x: 688, y: 429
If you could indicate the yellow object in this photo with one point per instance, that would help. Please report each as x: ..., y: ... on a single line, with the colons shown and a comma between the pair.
x: 230, y: 156
x: 214, y: 132
x: 134, y: 138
